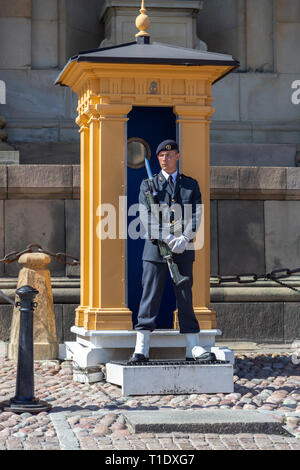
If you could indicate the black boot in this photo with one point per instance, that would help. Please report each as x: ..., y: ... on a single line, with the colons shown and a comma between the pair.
x: 138, y: 358
x: 205, y: 357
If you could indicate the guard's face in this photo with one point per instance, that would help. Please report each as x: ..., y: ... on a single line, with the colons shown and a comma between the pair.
x: 168, y: 160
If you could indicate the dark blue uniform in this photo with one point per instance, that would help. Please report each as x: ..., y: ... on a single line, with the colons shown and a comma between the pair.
x: 155, y: 268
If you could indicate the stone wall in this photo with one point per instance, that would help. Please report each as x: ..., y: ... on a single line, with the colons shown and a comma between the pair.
x: 254, y: 229
x: 253, y: 105
x: 40, y: 204
x: 37, y: 37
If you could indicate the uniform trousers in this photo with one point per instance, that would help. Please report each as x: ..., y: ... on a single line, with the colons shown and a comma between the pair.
x: 153, y: 283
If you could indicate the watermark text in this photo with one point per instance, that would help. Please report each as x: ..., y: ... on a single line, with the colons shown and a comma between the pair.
x: 158, y: 223
x: 296, y: 94
x: 2, y: 92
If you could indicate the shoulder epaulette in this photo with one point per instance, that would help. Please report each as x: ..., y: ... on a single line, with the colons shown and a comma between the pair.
x: 189, y: 177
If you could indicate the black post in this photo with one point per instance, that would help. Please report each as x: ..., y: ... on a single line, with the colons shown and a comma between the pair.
x: 24, y: 400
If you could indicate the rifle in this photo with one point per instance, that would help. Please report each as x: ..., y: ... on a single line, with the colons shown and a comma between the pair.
x: 165, y: 252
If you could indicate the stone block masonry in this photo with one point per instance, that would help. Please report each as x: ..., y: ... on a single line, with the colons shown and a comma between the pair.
x: 249, y: 206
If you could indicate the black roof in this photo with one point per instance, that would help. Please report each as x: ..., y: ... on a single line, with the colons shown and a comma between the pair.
x: 154, y: 53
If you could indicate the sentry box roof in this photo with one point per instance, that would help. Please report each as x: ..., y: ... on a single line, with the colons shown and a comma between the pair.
x: 142, y: 51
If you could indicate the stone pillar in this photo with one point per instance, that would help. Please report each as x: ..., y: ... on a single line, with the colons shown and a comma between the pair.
x: 103, y: 298
x: 194, y: 123
x: 260, y: 35
x: 15, y: 34
x: 44, y: 33
x: 171, y: 22
x: 35, y: 274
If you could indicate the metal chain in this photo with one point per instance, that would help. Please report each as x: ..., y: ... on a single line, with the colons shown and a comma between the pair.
x: 274, y: 275
x: 245, y: 278
x: 7, y: 298
x: 286, y: 285
x: 15, y: 255
x: 61, y: 257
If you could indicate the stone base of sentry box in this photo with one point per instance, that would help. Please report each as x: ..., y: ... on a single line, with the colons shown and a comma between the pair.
x: 94, y: 347
x: 87, y: 374
x: 171, y: 379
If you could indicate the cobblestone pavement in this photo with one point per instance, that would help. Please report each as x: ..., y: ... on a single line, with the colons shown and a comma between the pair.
x: 89, y: 416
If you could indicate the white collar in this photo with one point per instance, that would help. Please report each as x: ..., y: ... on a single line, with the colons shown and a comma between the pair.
x: 167, y: 176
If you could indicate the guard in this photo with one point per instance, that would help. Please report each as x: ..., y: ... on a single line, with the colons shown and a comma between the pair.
x: 173, y: 189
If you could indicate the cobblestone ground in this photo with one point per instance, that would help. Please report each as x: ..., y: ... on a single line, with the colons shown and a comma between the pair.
x: 89, y: 416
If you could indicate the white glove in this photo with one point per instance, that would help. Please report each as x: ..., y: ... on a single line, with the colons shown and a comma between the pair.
x: 167, y: 238
x: 178, y: 244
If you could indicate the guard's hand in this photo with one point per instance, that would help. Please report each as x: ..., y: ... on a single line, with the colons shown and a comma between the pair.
x: 178, y: 244
x: 167, y: 237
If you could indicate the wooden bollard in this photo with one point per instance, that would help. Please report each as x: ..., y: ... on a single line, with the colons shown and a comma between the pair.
x: 35, y: 274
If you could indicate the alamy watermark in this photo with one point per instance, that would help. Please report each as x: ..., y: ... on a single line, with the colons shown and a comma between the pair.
x: 2, y: 92
x: 296, y: 94
x: 157, y: 223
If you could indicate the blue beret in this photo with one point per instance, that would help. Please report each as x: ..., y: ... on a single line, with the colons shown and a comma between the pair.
x: 167, y: 145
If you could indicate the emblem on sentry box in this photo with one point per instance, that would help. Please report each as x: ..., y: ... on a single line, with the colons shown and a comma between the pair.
x: 153, y: 88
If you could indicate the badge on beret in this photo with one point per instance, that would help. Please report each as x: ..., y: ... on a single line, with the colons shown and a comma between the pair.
x: 168, y: 144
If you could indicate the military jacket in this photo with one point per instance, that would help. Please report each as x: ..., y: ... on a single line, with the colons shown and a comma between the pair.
x: 186, y: 193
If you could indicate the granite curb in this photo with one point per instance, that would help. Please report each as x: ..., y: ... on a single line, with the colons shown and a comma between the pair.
x: 204, y: 421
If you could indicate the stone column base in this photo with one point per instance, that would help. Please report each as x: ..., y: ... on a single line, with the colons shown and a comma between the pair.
x: 35, y: 274
x: 87, y: 374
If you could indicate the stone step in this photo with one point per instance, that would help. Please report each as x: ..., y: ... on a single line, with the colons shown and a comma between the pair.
x: 166, y: 379
x: 204, y: 421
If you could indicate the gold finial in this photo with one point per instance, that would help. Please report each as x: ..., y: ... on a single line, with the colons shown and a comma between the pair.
x: 142, y: 22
